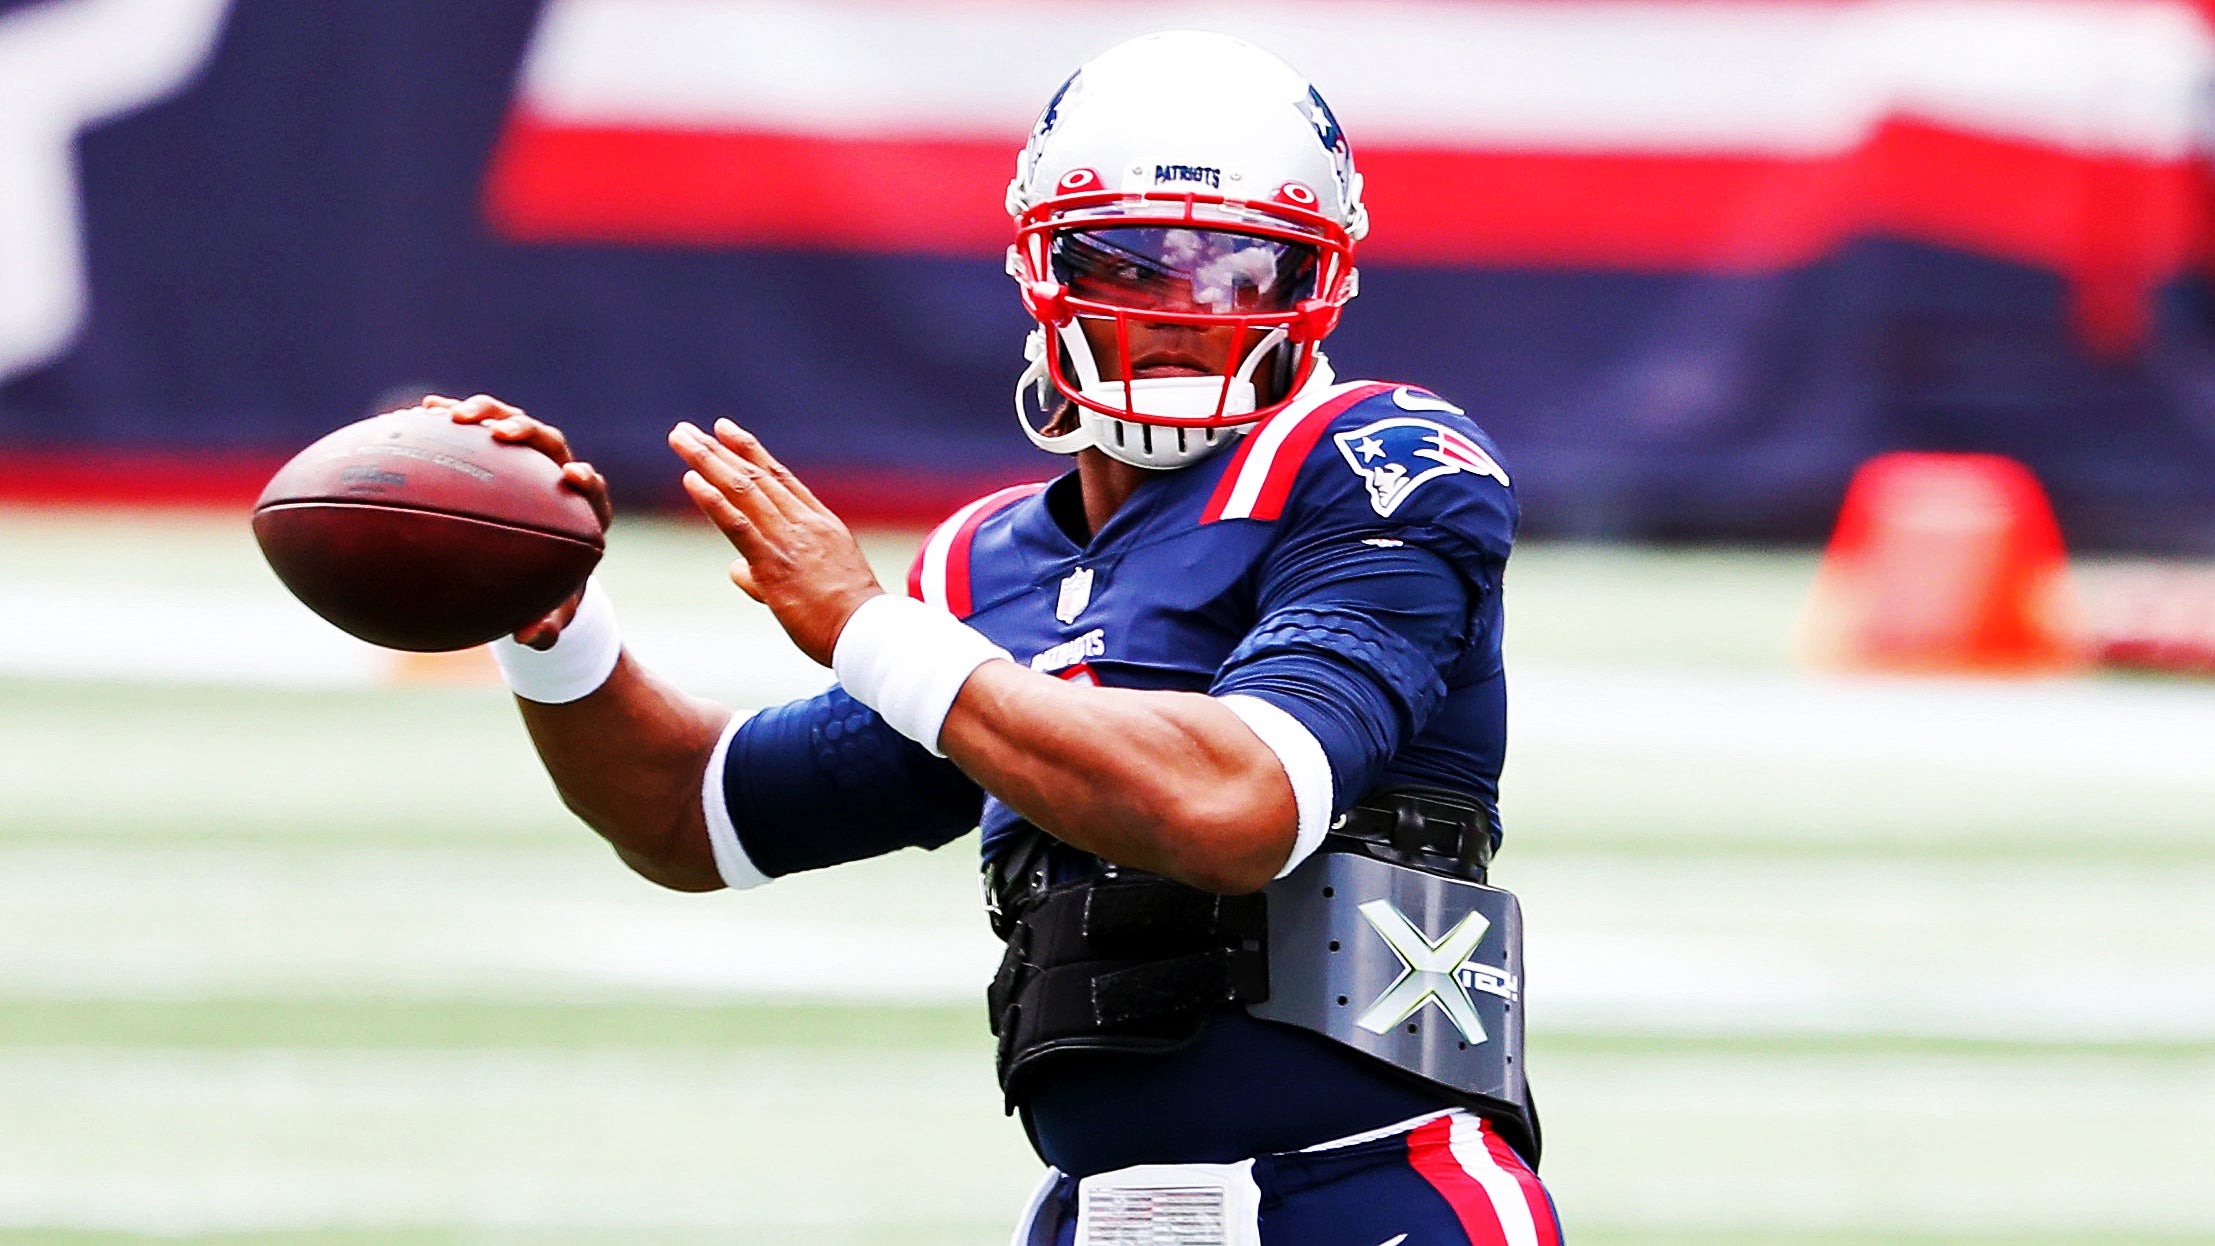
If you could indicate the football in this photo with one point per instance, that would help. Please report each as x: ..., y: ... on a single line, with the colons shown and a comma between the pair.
x: 413, y: 532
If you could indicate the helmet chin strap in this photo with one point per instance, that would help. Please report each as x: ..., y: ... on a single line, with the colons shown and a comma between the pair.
x: 1033, y: 390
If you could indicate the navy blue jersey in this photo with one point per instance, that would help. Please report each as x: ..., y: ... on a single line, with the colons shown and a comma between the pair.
x: 1306, y: 538
x: 1343, y: 561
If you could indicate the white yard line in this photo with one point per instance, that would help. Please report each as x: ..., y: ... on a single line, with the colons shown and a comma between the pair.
x: 103, y: 631
x: 2057, y: 728
x: 96, y: 923
x: 769, y: 1142
x: 1701, y: 945
x: 1883, y: 1145
x: 175, y: 635
x: 778, y: 1145
x: 2089, y: 729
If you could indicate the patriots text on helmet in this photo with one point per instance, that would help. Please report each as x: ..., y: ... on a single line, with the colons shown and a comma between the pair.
x: 1205, y: 175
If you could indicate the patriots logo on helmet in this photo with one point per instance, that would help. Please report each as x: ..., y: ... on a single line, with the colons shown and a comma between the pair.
x: 1333, y: 138
x: 1052, y: 116
x: 1326, y: 124
x: 1395, y: 456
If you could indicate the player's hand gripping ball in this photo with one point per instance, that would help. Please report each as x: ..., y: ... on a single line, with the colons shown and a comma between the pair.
x: 412, y: 531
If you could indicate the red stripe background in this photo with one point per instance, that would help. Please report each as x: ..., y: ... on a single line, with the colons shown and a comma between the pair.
x: 2115, y: 225
x: 2016, y: 200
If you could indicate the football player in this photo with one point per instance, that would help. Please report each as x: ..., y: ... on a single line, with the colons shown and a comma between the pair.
x: 1226, y: 699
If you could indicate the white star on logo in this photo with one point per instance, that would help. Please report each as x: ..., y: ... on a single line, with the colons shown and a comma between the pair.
x: 1429, y: 972
x: 1370, y: 448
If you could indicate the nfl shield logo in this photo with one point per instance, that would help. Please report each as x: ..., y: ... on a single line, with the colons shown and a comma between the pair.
x: 1076, y: 594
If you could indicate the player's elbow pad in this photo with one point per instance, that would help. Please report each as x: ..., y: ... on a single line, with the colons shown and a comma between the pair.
x: 825, y: 780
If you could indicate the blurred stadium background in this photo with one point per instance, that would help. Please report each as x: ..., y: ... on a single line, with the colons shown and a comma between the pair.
x: 297, y: 946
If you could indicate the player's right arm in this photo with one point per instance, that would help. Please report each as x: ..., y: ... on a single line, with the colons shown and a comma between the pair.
x: 693, y: 797
x: 628, y: 760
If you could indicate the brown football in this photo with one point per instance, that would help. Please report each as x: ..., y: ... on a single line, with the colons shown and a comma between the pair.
x: 414, y: 532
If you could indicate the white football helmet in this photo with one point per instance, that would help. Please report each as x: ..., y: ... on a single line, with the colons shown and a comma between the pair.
x: 1182, y: 178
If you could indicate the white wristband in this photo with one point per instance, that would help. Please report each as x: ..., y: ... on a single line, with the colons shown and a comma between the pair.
x: 908, y: 661
x: 1305, y: 765
x: 578, y: 663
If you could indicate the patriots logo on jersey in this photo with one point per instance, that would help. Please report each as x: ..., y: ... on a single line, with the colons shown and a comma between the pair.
x: 1395, y: 456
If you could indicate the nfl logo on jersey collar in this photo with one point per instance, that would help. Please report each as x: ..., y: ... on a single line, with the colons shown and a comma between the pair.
x: 1076, y: 594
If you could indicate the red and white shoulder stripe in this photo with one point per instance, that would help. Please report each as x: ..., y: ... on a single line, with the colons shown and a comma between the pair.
x: 1265, y: 464
x: 940, y: 573
x: 1496, y: 1196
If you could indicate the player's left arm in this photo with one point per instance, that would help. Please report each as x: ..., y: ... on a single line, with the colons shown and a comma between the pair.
x: 1180, y: 784
x: 1229, y: 789
x: 1174, y: 783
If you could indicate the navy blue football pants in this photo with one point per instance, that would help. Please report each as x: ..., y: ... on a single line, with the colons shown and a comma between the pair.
x: 1446, y: 1180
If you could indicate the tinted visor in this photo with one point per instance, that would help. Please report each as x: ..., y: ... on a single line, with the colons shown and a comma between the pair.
x: 1179, y: 268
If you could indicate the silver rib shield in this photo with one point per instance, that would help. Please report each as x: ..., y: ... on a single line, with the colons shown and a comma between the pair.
x: 1422, y: 971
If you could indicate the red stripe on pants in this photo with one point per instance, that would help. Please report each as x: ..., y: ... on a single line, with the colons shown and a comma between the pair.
x: 1534, y: 1193
x: 1430, y: 1152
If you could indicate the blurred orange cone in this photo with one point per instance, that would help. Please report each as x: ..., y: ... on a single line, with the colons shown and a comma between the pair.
x: 1944, y: 563
x: 459, y: 667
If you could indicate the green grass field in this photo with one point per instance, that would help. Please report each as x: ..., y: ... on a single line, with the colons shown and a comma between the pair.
x: 1811, y: 960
